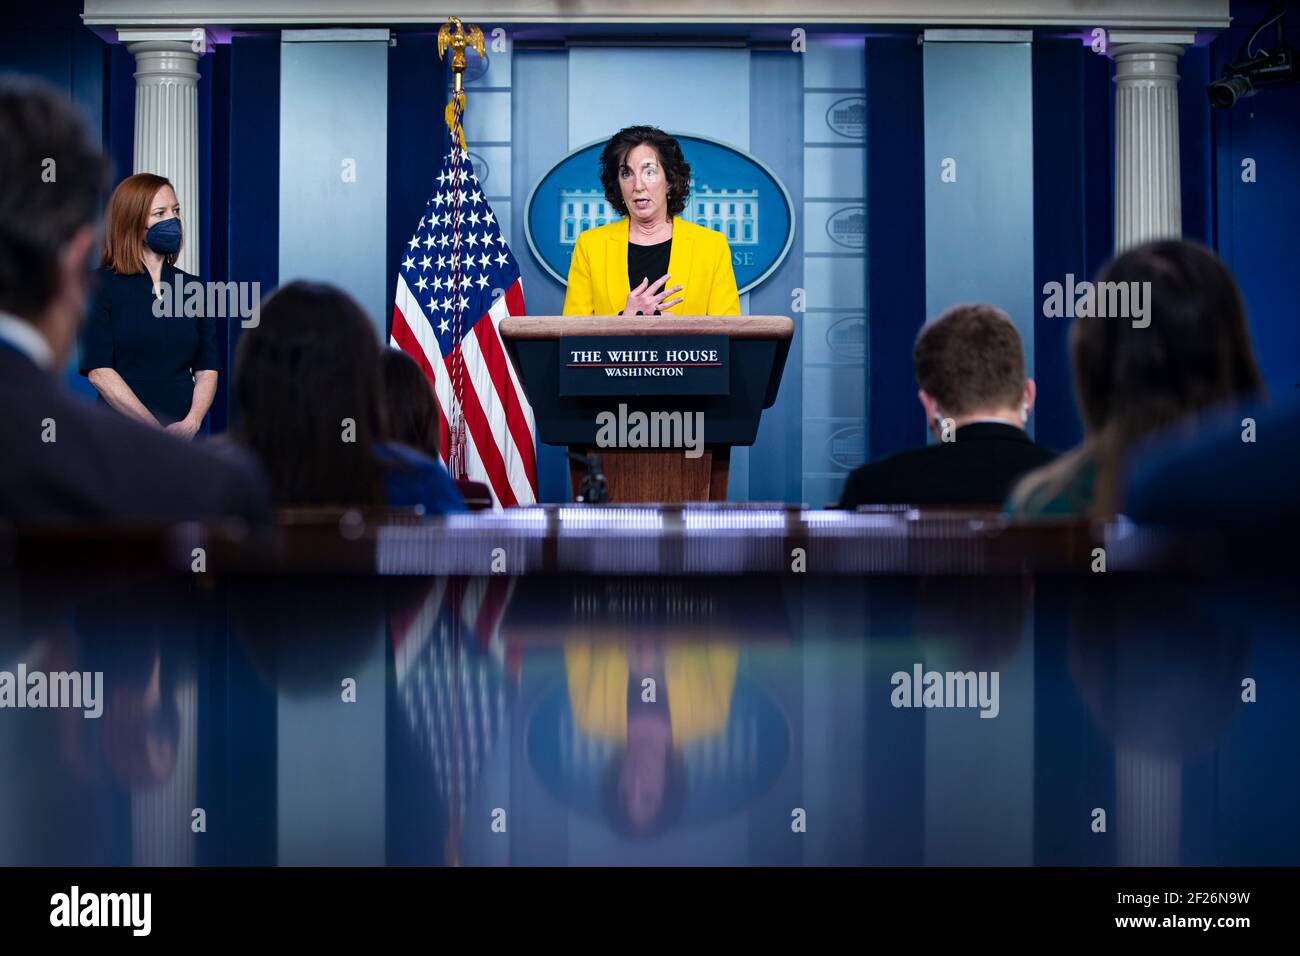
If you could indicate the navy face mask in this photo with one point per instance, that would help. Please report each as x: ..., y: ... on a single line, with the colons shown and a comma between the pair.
x: 164, y: 237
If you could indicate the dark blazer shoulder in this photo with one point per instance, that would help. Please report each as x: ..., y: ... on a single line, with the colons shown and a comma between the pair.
x: 101, y: 464
x: 903, y: 462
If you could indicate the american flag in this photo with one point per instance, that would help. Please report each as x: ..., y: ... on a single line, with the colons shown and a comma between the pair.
x: 455, y: 679
x: 456, y: 282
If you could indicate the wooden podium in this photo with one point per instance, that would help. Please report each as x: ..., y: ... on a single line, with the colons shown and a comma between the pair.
x: 730, y: 372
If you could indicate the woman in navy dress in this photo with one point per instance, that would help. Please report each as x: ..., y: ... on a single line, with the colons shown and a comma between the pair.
x: 155, y: 365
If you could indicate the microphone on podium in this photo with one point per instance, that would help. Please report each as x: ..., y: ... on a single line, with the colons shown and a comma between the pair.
x: 593, y: 488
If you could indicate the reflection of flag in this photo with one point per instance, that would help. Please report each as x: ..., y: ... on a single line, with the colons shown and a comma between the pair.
x: 474, y: 606
x: 447, y: 656
x: 457, y: 280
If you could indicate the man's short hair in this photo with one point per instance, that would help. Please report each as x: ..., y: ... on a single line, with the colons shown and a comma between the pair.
x: 52, y: 179
x: 970, y: 358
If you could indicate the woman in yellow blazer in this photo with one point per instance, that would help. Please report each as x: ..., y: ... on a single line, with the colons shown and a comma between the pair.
x: 652, y: 261
x: 645, y: 786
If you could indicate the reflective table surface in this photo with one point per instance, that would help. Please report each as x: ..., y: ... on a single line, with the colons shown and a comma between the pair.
x: 578, y: 719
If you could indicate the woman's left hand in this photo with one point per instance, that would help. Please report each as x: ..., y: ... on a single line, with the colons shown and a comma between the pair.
x: 185, y: 429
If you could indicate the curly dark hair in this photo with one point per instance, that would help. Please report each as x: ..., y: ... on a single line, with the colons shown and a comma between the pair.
x: 674, y: 164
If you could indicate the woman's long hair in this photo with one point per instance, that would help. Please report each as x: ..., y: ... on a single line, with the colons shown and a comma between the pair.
x: 307, y: 385
x: 1192, y: 353
x: 410, y: 406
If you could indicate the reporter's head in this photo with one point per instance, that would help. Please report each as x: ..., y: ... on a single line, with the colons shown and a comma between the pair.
x: 306, y: 393
x: 970, y: 366
x: 1192, y: 352
x: 52, y: 180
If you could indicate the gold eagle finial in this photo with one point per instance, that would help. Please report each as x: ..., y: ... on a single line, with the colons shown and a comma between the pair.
x: 453, y: 34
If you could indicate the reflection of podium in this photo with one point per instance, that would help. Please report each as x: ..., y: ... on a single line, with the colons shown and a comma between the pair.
x: 660, y: 399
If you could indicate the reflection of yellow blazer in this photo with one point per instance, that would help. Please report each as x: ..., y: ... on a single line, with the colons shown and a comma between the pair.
x: 700, y: 260
x: 698, y: 678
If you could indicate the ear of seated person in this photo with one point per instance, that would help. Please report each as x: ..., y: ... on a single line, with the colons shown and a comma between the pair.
x: 976, y: 399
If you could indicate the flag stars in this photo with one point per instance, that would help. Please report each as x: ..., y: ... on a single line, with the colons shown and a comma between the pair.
x: 464, y: 249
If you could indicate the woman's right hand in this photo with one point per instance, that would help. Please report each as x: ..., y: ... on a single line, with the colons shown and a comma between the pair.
x: 119, y: 395
x: 646, y: 299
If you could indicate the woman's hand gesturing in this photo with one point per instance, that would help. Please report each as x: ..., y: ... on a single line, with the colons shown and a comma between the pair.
x: 646, y: 298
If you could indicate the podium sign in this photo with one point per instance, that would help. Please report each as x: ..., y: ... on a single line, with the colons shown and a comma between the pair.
x: 644, y: 365
x: 715, y: 372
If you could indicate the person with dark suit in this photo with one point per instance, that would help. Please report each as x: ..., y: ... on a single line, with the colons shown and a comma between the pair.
x: 64, y: 459
x: 1235, y: 474
x: 971, y: 369
x: 161, y: 371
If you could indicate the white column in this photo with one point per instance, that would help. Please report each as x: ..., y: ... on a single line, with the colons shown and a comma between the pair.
x: 167, y: 117
x: 1148, y: 816
x: 1148, y: 203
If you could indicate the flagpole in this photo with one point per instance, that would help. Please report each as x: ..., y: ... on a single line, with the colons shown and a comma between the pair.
x: 453, y: 35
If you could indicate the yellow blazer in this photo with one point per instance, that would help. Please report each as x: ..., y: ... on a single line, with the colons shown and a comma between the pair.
x: 699, y: 679
x: 700, y: 261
